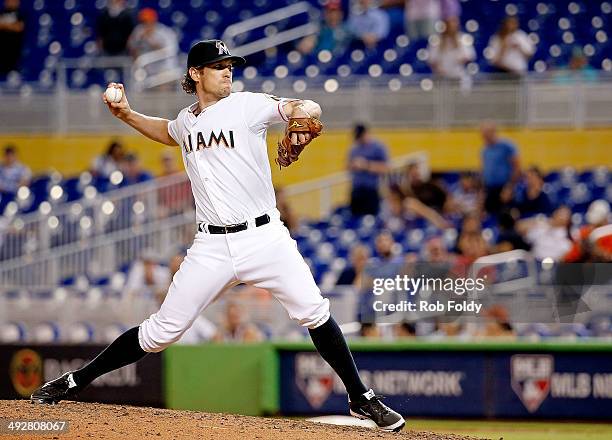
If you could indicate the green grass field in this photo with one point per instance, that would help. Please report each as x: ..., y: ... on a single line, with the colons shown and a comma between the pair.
x: 516, y: 430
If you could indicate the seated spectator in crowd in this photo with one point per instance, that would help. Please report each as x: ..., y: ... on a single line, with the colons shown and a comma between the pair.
x: 399, y: 212
x: 12, y: 31
x: 13, y: 173
x: 112, y: 160
x: 384, y: 244
x: 151, y: 35
x: 471, y: 244
x: 368, y: 23
x: 287, y: 215
x: 497, y: 324
x: 367, y: 161
x: 353, y: 274
x: 451, y: 51
x: 133, y: 172
x: 597, y: 215
x: 467, y: 197
x: 428, y: 192
x: 114, y: 27
x: 577, y: 70
x: 421, y: 18
x: 147, y: 276
x: 333, y: 35
x: 531, y: 200
x: 500, y: 166
x: 450, y: 330
x: 510, y: 48
x: 509, y: 238
x: 549, y: 237
x: 404, y: 330
x: 237, y: 326
x: 370, y: 330
x: 202, y: 330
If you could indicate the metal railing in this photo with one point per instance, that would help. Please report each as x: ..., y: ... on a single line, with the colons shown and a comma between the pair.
x: 417, y: 101
x: 101, y: 233
x: 301, y: 8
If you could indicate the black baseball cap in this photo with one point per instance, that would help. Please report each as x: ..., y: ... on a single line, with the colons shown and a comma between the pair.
x: 210, y: 51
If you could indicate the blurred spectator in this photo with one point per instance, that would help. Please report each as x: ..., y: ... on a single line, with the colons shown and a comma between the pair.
x: 147, y: 276
x: 453, y: 330
x: 426, y: 191
x: 508, y: 237
x: 12, y: 31
x: 149, y: 36
x: 500, y: 166
x: 597, y: 215
x: 333, y: 36
x: 112, y: 160
x: 549, y: 237
x: 578, y: 70
x: 471, y: 244
x: 368, y: 23
x: 370, y: 330
x: 421, y: 18
x: 237, y: 326
x: 13, y: 173
x: 202, y: 329
x: 510, y: 48
x: 113, y: 27
x: 353, y: 274
x: 467, y: 197
x: 404, y: 330
x: 383, y: 244
x: 531, y: 200
x: 367, y: 161
x: 287, y: 215
x: 497, y: 324
x: 399, y: 212
x: 451, y: 51
x: 133, y: 172
x: 450, y: 9
x: 174, y: 197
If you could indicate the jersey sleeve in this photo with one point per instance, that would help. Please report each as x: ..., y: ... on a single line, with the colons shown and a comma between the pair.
x: 174, y: 128
x: 262, y: 110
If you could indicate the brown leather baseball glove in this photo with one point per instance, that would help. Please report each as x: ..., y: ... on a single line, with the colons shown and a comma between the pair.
x: 289, y: 152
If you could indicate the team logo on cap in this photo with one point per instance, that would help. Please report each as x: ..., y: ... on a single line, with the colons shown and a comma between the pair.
x: 530, y: 375
x: 314, y: 377
x: 222, y: 48
x: 26, y: 371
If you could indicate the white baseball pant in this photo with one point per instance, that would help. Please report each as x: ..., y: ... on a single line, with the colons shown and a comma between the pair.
x: 265, y: 256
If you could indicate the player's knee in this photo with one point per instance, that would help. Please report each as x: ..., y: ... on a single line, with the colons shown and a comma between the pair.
x: 156, y: 334
x: 316, y: 316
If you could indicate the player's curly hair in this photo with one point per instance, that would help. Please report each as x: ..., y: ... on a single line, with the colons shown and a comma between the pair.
x: 188, y: 84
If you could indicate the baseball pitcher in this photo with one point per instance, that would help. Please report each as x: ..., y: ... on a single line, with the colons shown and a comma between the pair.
x: 240, y: 238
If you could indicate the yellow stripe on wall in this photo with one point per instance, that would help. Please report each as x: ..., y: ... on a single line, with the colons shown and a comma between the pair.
x: 448, y: 150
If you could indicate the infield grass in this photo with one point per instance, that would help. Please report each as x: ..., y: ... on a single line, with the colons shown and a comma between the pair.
x: 516, y: 430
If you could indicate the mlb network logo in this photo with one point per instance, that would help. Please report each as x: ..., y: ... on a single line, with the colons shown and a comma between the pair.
x: 531, y: 378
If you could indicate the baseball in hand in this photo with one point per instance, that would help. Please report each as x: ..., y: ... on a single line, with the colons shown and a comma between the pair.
x: 113, y: 94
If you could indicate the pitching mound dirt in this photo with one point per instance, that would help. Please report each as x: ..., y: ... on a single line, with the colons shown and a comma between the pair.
x: 99, y: 421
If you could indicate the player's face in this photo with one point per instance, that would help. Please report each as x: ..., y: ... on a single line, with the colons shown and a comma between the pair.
x: 217, y: 78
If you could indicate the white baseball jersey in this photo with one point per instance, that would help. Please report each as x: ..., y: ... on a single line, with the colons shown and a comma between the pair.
x: 225, y: 155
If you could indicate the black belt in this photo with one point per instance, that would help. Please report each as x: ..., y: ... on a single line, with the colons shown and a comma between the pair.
x: 230, y: 229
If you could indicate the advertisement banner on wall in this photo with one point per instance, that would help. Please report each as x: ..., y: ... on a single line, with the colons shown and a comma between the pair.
x: 480, y: 384
x: 436, y: 384
x: 25, y: 368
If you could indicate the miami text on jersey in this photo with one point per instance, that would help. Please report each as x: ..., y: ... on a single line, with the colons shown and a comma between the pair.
x: 201, y: 141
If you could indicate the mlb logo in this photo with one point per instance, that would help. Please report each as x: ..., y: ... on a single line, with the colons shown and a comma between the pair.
x: 314, y: 377
x: 531, y: 376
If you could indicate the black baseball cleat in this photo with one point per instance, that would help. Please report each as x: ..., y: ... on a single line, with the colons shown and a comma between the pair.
x: 62, y: 388
x: 369, y: 406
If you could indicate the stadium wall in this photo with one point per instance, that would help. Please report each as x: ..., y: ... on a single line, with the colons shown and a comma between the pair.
x: 449, y: 150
